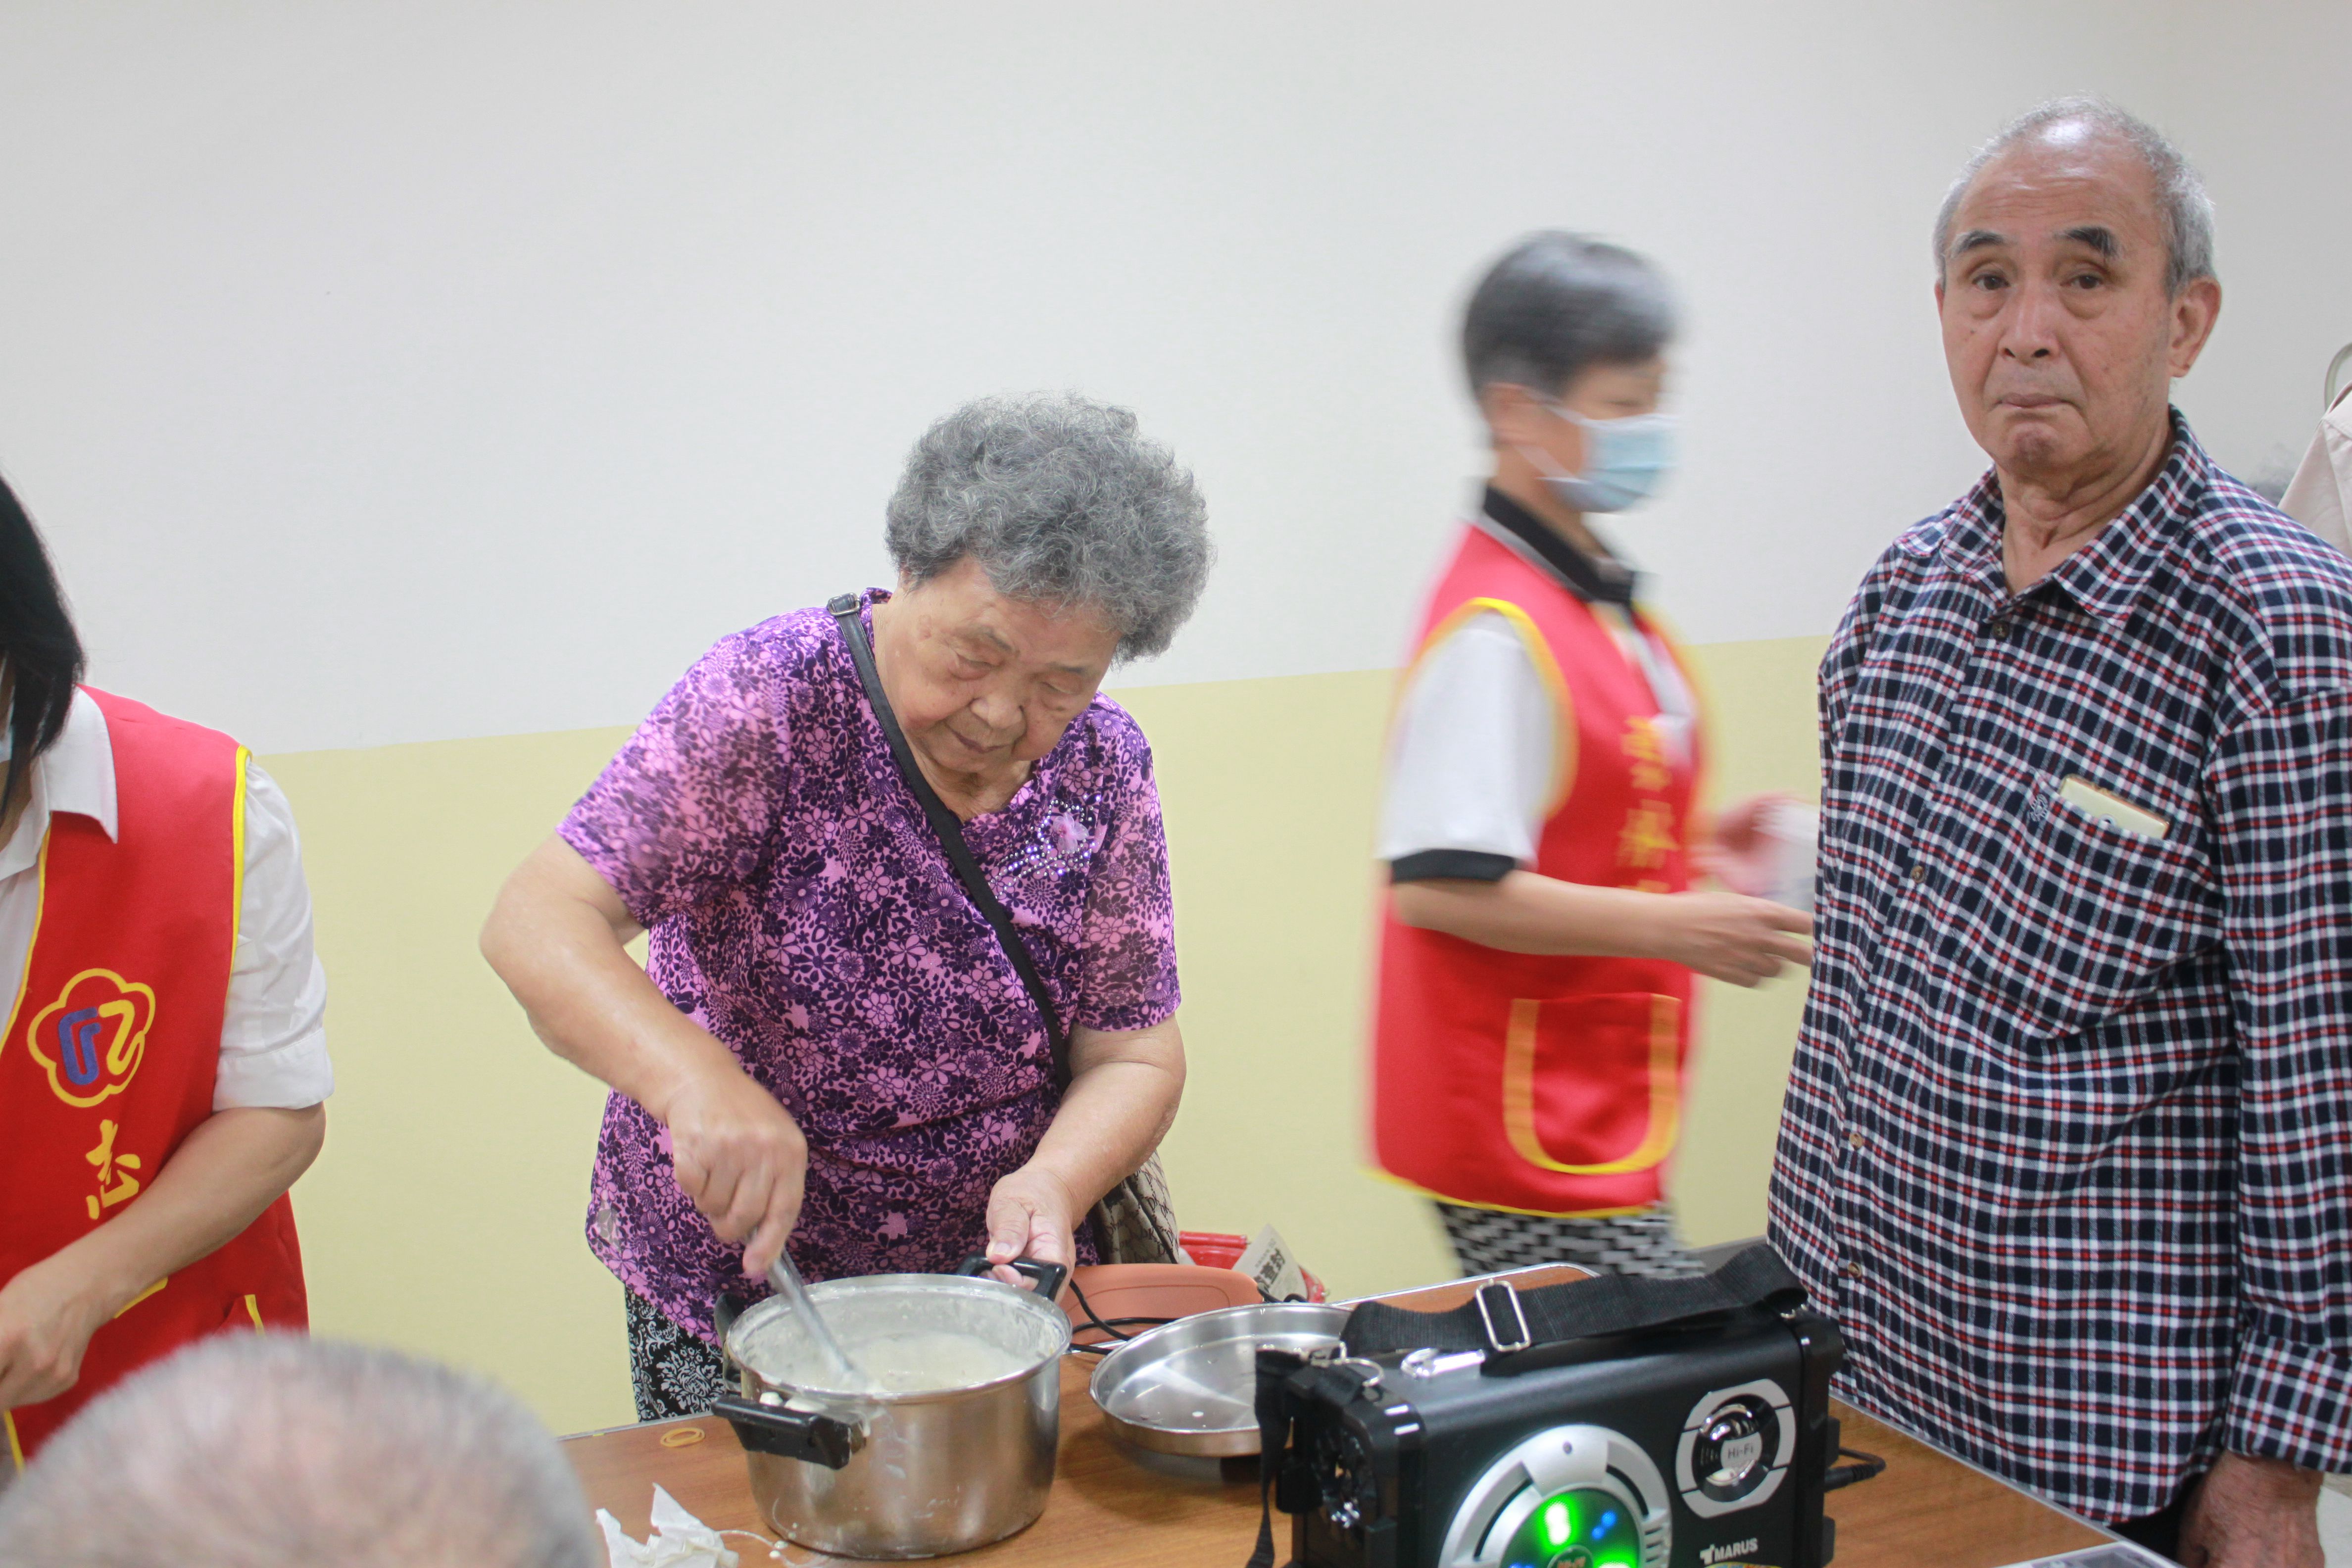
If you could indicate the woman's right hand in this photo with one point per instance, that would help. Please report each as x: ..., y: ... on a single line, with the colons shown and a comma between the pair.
x: 741, y: 1158
x: 1732, y: 937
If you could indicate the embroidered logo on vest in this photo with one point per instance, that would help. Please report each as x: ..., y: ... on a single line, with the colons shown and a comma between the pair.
x: 91, y: 1038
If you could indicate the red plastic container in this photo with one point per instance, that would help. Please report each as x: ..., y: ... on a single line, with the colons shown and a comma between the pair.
x: 1215, y: 1249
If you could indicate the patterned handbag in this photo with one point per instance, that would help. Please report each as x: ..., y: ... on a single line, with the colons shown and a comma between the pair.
x: 1136, y: 1221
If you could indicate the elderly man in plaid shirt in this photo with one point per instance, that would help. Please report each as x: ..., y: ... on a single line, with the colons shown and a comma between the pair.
x: 2068, y: 1144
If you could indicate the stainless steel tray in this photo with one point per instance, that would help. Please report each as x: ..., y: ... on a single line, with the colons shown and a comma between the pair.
x: 1191, y: 1387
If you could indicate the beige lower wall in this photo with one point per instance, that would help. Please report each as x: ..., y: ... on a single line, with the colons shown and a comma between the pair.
x: 446, y: 1213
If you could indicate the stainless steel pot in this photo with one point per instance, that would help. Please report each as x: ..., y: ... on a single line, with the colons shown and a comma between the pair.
x: 901, y: 1475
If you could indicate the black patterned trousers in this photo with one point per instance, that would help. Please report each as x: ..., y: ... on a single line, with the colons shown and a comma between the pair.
x: 1489, y: 1241
x: 673, y: 1371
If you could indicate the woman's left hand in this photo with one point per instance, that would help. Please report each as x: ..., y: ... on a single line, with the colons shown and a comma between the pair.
x: 1122, y: 1096
x: 1031, y: 1214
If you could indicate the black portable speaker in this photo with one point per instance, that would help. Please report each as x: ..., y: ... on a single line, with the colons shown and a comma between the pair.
x: 1642, y: 1424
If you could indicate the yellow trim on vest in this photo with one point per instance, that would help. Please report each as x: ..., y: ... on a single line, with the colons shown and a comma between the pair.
x: 1702, y: 709
x: 253, y: 1310
x: 1520, y: 1091
x: 24, y: 981
x: 15, y: 1448
x: 144, y: 1294
x: 1546, y: 670
x: 236, y: 859
x: 1392, y: 1179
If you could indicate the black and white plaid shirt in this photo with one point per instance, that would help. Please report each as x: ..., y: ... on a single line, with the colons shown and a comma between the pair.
x: 2068, y: 1144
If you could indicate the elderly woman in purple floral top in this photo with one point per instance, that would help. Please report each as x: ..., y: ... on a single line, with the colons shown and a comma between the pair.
x: 827, y: 1043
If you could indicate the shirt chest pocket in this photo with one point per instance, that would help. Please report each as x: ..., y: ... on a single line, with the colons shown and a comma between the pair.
x: 2085, y: 917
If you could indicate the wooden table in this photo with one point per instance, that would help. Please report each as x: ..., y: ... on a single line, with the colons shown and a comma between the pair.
x: 1112, y: 1504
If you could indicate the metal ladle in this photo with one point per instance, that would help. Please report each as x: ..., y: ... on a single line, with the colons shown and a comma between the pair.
x: 786, y: 1279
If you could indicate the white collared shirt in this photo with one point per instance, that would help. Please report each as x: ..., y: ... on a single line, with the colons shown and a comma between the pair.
x: 273, y: 1047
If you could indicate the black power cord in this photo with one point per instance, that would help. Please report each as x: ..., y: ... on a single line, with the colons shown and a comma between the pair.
x: 1110, y: 1326
x: 1847, y: 1475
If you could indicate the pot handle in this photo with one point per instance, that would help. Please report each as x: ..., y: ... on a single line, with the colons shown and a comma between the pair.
x: 1047, y: 1276
x: 790, y: 1434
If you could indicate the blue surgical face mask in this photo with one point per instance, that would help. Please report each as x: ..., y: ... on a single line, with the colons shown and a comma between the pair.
x: 1625, y: 461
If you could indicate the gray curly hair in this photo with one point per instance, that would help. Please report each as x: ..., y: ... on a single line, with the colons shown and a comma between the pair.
x: 1060, y: 500
x: 2184, y: 212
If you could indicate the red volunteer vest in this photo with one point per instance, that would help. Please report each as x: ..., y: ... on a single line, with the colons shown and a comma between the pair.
x: 111, y: 1047
x: 1517, y: 1081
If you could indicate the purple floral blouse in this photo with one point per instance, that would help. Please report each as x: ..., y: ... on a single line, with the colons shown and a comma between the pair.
x: 802, y: 911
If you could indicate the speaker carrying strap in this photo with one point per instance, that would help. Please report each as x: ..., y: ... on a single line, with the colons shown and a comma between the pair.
x: 1273, y: 1442
x: 949, y: 830
x: 1503, y: 1322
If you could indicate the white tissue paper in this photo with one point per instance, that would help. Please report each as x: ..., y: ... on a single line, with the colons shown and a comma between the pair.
x: 679, y: 1540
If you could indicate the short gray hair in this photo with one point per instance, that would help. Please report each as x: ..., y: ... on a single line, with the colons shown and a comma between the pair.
x: 2184, y: 212
x: 1061, y: 501
x: 278, y: 1451
x: 1557, y: 303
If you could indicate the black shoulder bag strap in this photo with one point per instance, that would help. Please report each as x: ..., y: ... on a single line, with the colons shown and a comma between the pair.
x: 1504, y: 1321
x: 948, y: 829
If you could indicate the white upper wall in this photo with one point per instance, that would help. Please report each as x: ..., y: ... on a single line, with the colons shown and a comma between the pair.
x: 2258, y: 97
x: 390, y: 371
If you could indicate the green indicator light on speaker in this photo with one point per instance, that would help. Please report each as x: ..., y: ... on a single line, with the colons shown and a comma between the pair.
x: 1584, y: 1527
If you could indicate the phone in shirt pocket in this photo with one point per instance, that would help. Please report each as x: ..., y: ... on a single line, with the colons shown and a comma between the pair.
x: 2103, y: 894
x: 2112, y: 810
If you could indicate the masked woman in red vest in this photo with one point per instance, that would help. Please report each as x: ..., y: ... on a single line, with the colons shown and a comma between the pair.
x: 164, y: 1069
x: 1542, y: 934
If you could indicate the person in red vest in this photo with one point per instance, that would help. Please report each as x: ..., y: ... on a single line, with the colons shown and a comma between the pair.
x: 1542, y: 932
x: 164, y: 1067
